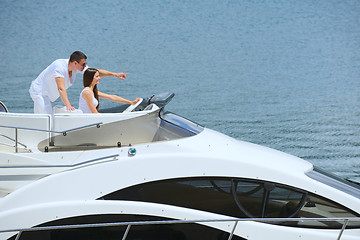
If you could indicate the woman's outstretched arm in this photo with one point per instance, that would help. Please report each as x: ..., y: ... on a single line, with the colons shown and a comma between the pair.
x: 116, y: 98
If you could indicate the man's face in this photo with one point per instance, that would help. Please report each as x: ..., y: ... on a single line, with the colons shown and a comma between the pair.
x: 81, y: 65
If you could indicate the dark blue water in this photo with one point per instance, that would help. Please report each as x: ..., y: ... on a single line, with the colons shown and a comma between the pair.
x: 283, y: 74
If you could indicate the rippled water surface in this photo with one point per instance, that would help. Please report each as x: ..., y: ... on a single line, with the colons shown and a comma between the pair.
x: 283, y: 74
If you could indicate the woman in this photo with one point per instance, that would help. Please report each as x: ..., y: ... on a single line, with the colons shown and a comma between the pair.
x: 89, y: 97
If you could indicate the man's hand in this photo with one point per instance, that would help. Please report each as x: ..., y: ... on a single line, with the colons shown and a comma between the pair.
x: 120, y: 75
x: 70, y: 108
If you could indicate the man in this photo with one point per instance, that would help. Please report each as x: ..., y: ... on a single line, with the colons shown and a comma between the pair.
x: 56, y: 78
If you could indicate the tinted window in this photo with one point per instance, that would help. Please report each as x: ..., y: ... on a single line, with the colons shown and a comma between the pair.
x: 208, y: 195
x: 267, y: 200
x: 239, y: 198
x: 145, y: 232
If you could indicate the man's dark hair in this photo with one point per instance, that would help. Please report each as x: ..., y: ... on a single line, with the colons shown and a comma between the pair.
x: 77, y: 56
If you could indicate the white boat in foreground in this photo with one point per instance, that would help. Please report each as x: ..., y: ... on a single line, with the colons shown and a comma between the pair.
x: 152, y: 165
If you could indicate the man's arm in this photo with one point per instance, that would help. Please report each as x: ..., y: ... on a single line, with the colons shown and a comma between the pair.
x: 104, y: 73
x: 60, y: 82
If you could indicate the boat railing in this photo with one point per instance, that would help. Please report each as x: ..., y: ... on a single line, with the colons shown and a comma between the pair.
x: 65, y: 132
x: 13, y: 140
x: 142, y: 223
x: 91, y: 161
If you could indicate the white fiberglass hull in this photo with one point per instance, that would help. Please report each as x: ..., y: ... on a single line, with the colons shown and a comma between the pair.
x: 150, y: 164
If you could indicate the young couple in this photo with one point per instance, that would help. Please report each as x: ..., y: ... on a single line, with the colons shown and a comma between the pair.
x: 60, y: 75
x: 89, y: 97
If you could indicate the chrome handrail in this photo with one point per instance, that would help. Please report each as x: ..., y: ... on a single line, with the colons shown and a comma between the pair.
x: 141, y: 223
x: 45, y: 130
x: 53, y: 131
x: 60, y: 166
x: 11, y: 139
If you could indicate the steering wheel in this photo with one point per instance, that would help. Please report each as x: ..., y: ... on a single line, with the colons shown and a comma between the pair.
x: 132, y: 107
x: 3, y: 107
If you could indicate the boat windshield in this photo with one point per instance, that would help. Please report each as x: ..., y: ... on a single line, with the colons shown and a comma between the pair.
x: 182, y: 122
x: 335, y: 181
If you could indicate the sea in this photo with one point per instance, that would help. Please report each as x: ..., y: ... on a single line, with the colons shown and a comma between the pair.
x: 280, y: 73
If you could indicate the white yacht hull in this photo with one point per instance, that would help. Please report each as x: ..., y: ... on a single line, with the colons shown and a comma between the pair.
x: 114, y: 171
